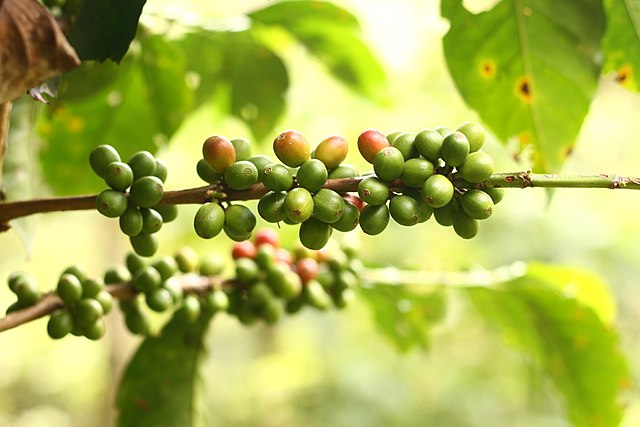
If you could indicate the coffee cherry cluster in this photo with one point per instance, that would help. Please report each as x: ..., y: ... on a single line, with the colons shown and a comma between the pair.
x: 414, y: 177
x: 135, y: 189
x: 26, y: 290
x: 85, y: 300
x: 295, y: 187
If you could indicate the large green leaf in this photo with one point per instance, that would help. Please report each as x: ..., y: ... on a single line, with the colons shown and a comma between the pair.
x: 143, y: 106
x: 528, y: 68
x: 332, y: 34
x: 402, y: 316
x: 621, y: 42
x: 245, y: 77
x: 576, y: 349
x: 104, y: 29
x: 161, y: 385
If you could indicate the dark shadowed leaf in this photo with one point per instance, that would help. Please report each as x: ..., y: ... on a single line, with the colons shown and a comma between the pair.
x: 104, y: 29
x: 529, y: 70
x: 577, y: 349
x: 402, y: 316
x: 621, y: 43
x: 161, y: 385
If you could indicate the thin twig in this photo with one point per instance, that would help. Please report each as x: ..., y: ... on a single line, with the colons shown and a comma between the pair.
x: 5, y: 113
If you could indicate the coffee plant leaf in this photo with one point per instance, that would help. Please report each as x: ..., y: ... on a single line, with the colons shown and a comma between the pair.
x: 621, y: 42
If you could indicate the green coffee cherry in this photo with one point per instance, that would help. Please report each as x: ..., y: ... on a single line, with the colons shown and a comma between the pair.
x: 175, y: 289
x: 118, y: 176
x: 167, y: 212
x: 475, y: 134
x: 291, y: 148
x: 343, y: 171
x: 391, y: 136
x: 247, y: 270
x: 211, y: 265
x: 373, y: 191
x: 87, y: 312
x: 314, y: 234
x: 209, y: 220
x: 142, y: 163
x: 146, y: 192
x: 328, y: 206
x: 298, y: 205
x: 105, y: 299
x: 332, y: 151
x: 137, y: 322
x: 60, y: 324
x: 101, y: 156
x: 69, y: 289
x: 161, y: 170
x: 158, y: 299
x: 151, y: 220
x: 207, y: 173
x: 464, y: 226
x: 437, y: 190
x: 260, y: 294
x: 26, y: 289
x: 316, y: 296
x: 239, y: 220
x: 15, y: 278
x: 370, y: 142
x: 190, y: 308
x: 455, y: 149
x: 444, y: 131
x: 388, y: 163
x: 215, y: 301
x: 277, y: 177
x: 444, y: 215
x: 242, y: 147
x: 477, y: 168
x: 260, y: 161
x: 271, y: 206
x: 146, y: 279
x: 219, y: 153
x: 496, y: 194
x: 265, y: 256
x: 235, y: 235
x: 312, y: 175
x: 405, y: 143
x: 118, y: 274
x: 166, y: 266
x: 111, y: 203
x: 428, y: 142
x: 374, y: 219
x: 477, y: 204
x: 241, y: 175
x: 187, y: 259
x: 416, y: 171
x: 270, y: 311
x: 131, y: 221
x: 95, y: 330
x: 144, y: 244
x: 91, y: 287
x: 404, y: 210
x: 349, y: 219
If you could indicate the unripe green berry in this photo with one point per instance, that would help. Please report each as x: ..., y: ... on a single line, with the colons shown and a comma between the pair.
x: 477, y: 204
x: 428, y: 142
x: 137, y: 322
x: 316, y: 296
x: 101, y: 156
x: 437, y: 190
x: 259, y: 293
x: 26, y: 289
x: 95, y: 330
x: 87, y: 312
x: 151, y: 220
x: 167, y: 212
x: 242, y: 147
x: 239, y: 220
x: 207, y: 173
x: 416, y: 172
x: 388, y: 163
x: 91, y: 287
x: 349, y: 219
x: 111, y: 203
x: 270, y: 311
x: 373, y: 191
x: 118, y: 274
x: 404, y: 210
x: 161, y: 170
x: 146, y: 192
x: 445, y: 214
x: 271, y: 206
x: 105, y: 299
x: 131, y: 221
x: 209, y: 220
x: 312, y: 175
x: 260, y: 161
x: 241, y: 175
x: 211, y: 265
x: 391, y: 136
x: 374, y: 219
x: 464, y: 226
x: 314, y: 234
x: 187, y: 259
x: 60, y: 324
x: 158, y: 299
x: 146, y: 279
x: 134, y: 262
x: 142, y: 163
x: 291, y: 148
x: 477, y: 168
x: 247, y: 270
x: 328, y: 206
x: 190, y: 308
x: 235, y: 235
x: 455, y: 149
x: 144, y: 244
x: 118, y: 176
x: 76, y: 271
x: 166, y: 266
x: 343, y: 171
x: 444, y: 131
x: 219, y: 152
x: 332, y: 151
x: 298, y: 205
x: 69, y: 289
x: 405, y: 143
x: 277, y: 177
x: 475, y: 134
x: 496, y: 194
x: 215, y: 301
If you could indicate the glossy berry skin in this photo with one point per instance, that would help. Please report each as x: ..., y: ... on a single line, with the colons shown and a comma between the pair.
x: 343, y: 171
x: 271, y: 206
x: 292, y: 148
x: 455, y: 149
x: 118, y: 176
x: 388, y: 163
x: 370, y: 142
x: 437, y: 190
x: 161, y: 170
x: 314, y: 234
x: 144, y: 244
x: 416, y: 172
x: 477, y: 204
x: 219, y: 153
x: 159, y: 299
x: 444, y: 215
x: 312, y: 175
x: 105, y: 299
x: 242, y: 147
x: 146, y: 192
x: 428, y: 142
x: 211, y: 265
x: 60, y: 324
x: 496, y: 194
x: 187, y: 259
x: 111, y: 203
x: 190, y: 309
x: 277, y: 177
x: 69, y: 289
x: 209, y: 220
x: 241, y: 175
x: 206, y: 172
x: 475, y: 134
x: 146, y: 279
x: 87, y: 311
x: 332, y: 151
x: 316, y: 296
x: 464, y: 226
x: 131, y: 221
x: 355, y: 200
x: 404, y: 210
x: 260, y: 161
x: 374, y: 219
x: 215, y: 301
x: 142, y: 163
x: 373, y: 191
x: 101, y: 156
x: 349, y: 219
x: 91, y: 287
x: 96, y: 330
x: 477, y: 168
x: 298, y: 205
x: 151, y: 220
x: 167, y: 212
x: 239, y: 220
x: 328, y: 206
x: 405, y: 143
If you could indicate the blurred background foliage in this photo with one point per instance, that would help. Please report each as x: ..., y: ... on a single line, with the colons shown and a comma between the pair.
x: 479, y: 362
